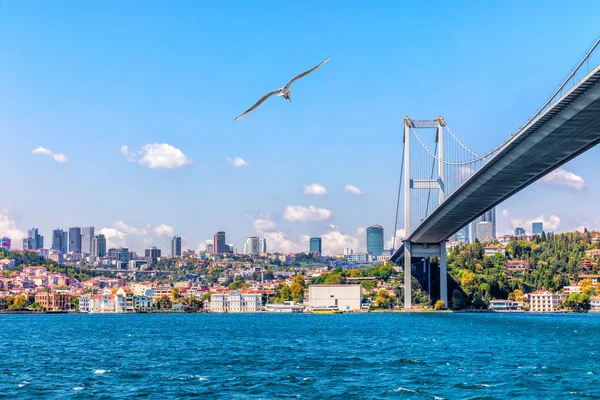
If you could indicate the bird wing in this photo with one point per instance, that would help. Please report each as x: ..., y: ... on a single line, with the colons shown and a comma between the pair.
x: 258, y: 103
x: 306, y: 72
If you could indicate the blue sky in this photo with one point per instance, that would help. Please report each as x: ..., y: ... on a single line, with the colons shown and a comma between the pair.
x: 84, y: 79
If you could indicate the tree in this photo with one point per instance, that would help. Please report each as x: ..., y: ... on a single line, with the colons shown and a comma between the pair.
x: 468, y: 282
x: 457, y: 300
x: 587, y: 287
x: 385, y: 299
x: 297, y: 288
x: 75, y: 303
x: 577, y: 302
x: 236, y: 285
x: 439, y: 305
x: 283, y: 294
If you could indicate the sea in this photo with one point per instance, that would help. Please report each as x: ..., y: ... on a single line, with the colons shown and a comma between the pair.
x: 285, y: 356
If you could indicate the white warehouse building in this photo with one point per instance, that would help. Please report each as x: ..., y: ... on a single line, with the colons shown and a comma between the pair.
x: 345, y: 297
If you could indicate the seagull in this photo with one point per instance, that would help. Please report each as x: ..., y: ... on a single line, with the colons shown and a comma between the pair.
x: 283, y: 92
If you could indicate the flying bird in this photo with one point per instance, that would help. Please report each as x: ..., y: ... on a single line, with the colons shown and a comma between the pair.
x: 283, y: 92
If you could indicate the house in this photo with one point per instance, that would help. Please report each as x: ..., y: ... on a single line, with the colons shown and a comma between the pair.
x: 127, y: 293
x: 142, y: 303
x: 595, y: 278
x: 518, y: 265
x: 506, y: 305
x: 592, y: 253
x: 595, y: 303
x: 492, y: 249
x: 544, y: 301
x: 572, y: 289
x: 54, y: 301
x: 237, y: 301
x: 102, y: 303
x: 285, y: 307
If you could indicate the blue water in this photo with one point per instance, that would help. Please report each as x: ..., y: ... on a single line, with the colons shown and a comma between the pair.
x: 363, y: 356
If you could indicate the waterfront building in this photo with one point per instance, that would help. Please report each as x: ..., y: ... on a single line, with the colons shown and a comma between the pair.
x: 235, y: 302
x: 54, y: 301
x: 153, y: 254
x: 60, y: 241
x: 5, y: 243
x: 87, y: 235
x: 176, y: 246
x: 127, y: 294
x: 519, y: 231
x: 252, y: 246
x: 506, y: 305
x: 316, y: 245
x: 537, y: 228
x: 102, y: 303
x: 219, y: 246
x: 344, y: 297
x: 75, y: 239
x: 543, y: 301
x: 99, y: 246
x: 34, y: 240
x: 286, y: 307
x: 142, y: 303
x: 595, y: 303
x: 375, y: 240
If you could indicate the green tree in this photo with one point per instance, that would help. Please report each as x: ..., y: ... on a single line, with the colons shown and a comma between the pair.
x: 385, y: 299
x: 236, y: 285
x: 439, y: 305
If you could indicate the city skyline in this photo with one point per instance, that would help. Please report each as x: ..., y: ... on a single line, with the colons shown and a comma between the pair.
x: 155, y: 135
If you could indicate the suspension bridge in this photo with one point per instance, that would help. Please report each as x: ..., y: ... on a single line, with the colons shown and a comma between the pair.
x: 446, y: 185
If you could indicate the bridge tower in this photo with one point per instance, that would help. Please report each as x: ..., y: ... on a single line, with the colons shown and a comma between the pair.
x: 423, y: 250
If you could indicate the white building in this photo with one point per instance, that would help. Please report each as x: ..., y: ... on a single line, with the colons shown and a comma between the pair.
x: 543, y: 301
x: 102, y: 303
x: 595, y: 303
x: 493, y: 249
x: 285, y: 307
x: 506, y: 305
x: 252, y: 246
x: 345, y: 297
x: 359, y: 257
x: 572, y: 289
x: 235, y: 302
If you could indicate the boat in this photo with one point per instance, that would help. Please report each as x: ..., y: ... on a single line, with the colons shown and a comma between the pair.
x: 325, y: 310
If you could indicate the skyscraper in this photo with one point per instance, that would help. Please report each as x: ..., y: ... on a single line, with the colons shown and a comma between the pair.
x: 537, y: 228
x: 75, y: 240
x: 5, y: 243
x: 263, y: 245
x: 316, y: 245
x: 60, y: 240
x: 87, y: 234
x: 176, y: 246
x: 153, y: 254
x: 519, y: 231
x: 375, y: 240
x: 252, y: 246
x: 462, y: 236
x: 487, y: 230
x: 99, y: 246
x: 210, y: 248
x: 219, y: 246
x: 34, y: 240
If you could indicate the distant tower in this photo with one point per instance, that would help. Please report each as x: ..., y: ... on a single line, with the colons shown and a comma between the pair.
x: 60, y: 240
x: 519, y: 231
x: 75, y: 239
x: 219, y: 246
x: 263, y: 245
x: 537, y: 228
x: 375, y: 240
x: 5, y: 243
x: 316, y: 245
x: 34, y: 240
x: 87, y: 234
x: 252, y: 246
x: 176, y: 246
x: 484, y: 227
x: 99, y: 246
x: 153, y: 254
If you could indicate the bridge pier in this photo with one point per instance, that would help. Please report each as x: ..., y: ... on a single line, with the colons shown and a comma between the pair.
x: 424, y: 251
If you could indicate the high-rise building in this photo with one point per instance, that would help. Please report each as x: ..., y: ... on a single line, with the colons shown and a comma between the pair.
x: 462, y: 236
x: 263, y: 245
x: 75, y: 240
x: 485, y: 231
x: 519, y: 231
x: 375, y: 240
x: 153, y: 254
x: 348, y: 251
x: 60, y: 241
x: 210, y: 248
x: 99, y: 246
x: 316, y: 245
x: 5, y: 243
x: 488, y: 231
x: 219, y: 246
x: 87, y: 234
x: 537, y: 228
x: 123, y: 254
x: 34, y: 240
x: 230, y: 248
x: 252, y: 246
x: 176, y: 246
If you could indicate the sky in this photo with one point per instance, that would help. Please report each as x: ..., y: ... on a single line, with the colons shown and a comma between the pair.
x: 120, y: 114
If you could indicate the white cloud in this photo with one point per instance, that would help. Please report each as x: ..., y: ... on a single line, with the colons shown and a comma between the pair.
x: 562, y: 177
x: 400, y: 235
x: 315, y: 189
x: 505, y: 212
x: 157, y: 155
x: 8, y: 228
x: 264, y: 225
x: 58, y: 157
x: 334, y: 242
x: 164, y: 230
x: 279, y: 242
x: 550, y: 225
x: 237, y: 161
x: 114, y: 237
x: 303, y: 214
x: 353, y: 189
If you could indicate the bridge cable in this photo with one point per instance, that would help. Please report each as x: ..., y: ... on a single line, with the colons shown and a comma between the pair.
x: 398, y: 201
x: 429, y: 192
